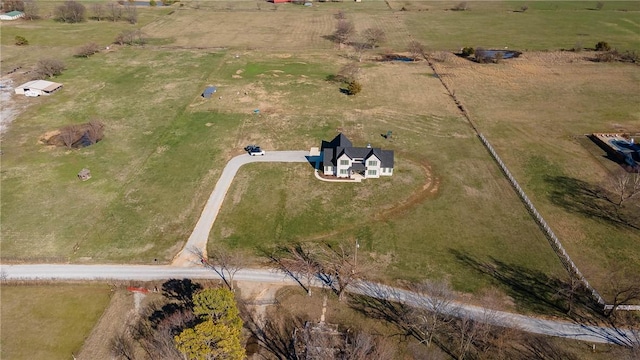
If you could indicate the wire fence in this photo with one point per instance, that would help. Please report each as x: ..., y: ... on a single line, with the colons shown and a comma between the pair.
x: 557, y: 247
x: 551, y: 236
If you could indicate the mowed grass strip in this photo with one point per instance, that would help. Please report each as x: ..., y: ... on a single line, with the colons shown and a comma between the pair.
x: 546, y: 25
x: 49, y: 321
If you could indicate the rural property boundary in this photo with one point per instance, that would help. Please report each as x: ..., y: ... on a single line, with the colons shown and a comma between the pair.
x: 555, y: 243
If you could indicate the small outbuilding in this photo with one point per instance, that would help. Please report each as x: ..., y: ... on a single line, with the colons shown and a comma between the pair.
x: 37, y: 88
x: 84, y: 174
x: 11, y: 15
x: 210, y: 90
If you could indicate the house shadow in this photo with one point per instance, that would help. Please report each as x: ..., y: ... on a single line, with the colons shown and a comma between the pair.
x: 536, y: 291
x: 590, y: 200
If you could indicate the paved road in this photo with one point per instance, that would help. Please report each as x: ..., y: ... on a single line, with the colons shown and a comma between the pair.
x: 146, y: 273
x: 200, y: 234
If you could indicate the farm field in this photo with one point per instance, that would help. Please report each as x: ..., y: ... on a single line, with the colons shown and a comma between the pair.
x: 60, y: 317
x: 165, y: 145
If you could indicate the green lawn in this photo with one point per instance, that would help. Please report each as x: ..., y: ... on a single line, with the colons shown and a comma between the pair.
x: 165, y: 146
x: 49, y: 321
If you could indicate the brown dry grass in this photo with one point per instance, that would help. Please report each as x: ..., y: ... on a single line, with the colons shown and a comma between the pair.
x: 533, y: 109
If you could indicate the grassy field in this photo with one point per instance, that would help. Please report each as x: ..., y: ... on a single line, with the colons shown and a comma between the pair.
x: 544, y: 148
x: 165, y: 145
x: 49, y: 321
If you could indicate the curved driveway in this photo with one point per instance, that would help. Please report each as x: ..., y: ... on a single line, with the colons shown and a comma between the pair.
x: 198, y: 239
x: 535, y: 325
x: 182, y: 267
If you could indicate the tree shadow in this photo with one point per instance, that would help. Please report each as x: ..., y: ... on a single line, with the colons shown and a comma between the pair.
x: 590, y: 200
x: 274, y: 334
x: 537, y: 291
x: 397, y: 314
x: 181, y: 290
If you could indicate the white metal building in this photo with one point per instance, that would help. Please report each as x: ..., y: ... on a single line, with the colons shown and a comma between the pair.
x: 37, y: 88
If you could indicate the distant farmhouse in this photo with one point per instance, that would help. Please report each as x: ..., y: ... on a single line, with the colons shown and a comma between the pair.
x: 12, y: 15
x: 37, y: 88
x: 341, y: 159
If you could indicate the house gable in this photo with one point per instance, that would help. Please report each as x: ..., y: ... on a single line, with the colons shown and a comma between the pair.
x: 341, y: 159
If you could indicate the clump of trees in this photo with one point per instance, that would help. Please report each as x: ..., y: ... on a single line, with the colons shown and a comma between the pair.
x: 70, y: 12
x: 77, y: 135
x: 189, y: 322
x: 87, y: 50
x: 130, y: 37
x: 47, y: 68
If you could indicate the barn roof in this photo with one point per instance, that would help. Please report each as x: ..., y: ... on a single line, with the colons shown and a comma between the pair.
x: 13, y: 13
x: 43, y: 85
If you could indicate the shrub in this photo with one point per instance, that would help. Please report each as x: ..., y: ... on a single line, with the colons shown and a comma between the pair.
x: 130, y: 37
x: 21, y: 40
x: 468, y: 51
x: 603, y: 46
x: 461, y: 6
x: 47, y: 68
x: 353, y: 87
x: 87, y: 50
x: 153, y: 3
x: 524, y: 8
x: 606, y: 56
x: 599, y: 5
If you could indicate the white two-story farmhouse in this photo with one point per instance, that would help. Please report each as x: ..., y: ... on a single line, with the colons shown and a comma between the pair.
x: 341, y: 159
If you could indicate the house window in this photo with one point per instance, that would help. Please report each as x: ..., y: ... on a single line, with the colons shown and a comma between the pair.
x: 343, y: 171
x: 372, y: 172
x: 373, y: 163
x: 328, y: 168
x: 384, y: 170
x: 344, y: 162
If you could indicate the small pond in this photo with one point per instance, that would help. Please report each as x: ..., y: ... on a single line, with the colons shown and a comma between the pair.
x: 506, y: 54
x: 146, y: 3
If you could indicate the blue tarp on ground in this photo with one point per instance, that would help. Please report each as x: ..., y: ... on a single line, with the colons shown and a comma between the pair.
x: 209, y: 91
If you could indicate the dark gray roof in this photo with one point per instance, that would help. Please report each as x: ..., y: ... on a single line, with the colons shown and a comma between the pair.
x: 331, y: 150
x: 358, y: 166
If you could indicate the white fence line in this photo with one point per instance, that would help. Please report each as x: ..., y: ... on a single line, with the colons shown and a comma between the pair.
x: 551, y: 236
x: 557, y: 247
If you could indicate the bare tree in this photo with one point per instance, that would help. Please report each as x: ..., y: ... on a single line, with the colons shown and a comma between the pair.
x: 87, y: 50
x: 625, y: 186
x: 344, y: 31
x: 349, y: 72
x: 47, y: 68
x: 98, y: 11
x: 31, y: 10
x: 122, y: 347
x: 374, y: 37
x: 115, y: 11
x: 364, y: 346
x: 302, y: 261
x: 69, y: 135
x: 71, y: 12
x: 130, y: 37
x: 416, y: 49
x: 223, y: 262
x: 12, y: 5
x: 434, y: 309
x: 95, y: 131
x: 131, y: 12
x: 339, y: 267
